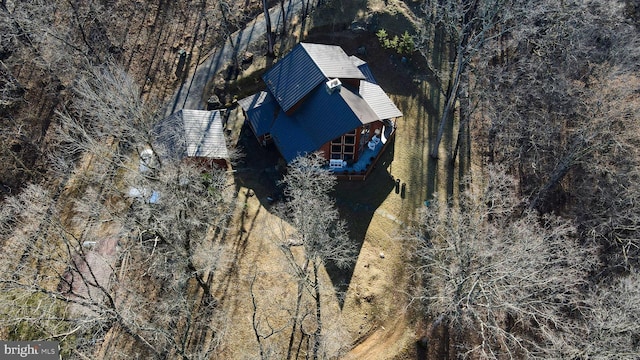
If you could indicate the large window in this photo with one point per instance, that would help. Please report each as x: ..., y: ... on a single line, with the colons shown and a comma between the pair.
x: 344, y: 147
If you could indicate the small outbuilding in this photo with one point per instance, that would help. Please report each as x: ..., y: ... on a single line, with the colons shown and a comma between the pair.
x: 194, y: 135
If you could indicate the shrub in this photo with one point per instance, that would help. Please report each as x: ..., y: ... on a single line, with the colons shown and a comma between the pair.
x: 403, y: 45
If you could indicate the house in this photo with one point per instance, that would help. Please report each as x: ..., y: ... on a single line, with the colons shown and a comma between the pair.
x: 318, y: 98
x: 193, y: 135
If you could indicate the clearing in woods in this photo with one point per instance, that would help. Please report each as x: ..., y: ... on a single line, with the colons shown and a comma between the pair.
x: 366, y: 307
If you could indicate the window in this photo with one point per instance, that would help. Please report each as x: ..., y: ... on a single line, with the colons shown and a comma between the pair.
x: 349, y: 139
x: 344, y: 147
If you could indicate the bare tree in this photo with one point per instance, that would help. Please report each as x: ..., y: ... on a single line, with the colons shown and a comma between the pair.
x: 498, y: 282
x: 558, y: 109
x: 11, y: 91
x: 318, y: 229
x: 119, y: 250
x: 462, y: 28
x: 312, y: 237
x: 614, y: 324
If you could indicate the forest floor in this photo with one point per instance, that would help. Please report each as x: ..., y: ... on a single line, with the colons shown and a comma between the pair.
x: 367, y: 306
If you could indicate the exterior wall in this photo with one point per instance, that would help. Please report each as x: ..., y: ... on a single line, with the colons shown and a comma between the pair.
x: 326, y: 151
x: 378, y: 125
x: 262, y: 139
x: 208, y: 163
x: 359, y: 148
x: 326, y: 148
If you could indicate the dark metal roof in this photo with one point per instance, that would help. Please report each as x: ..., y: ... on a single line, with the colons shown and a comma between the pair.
x: 293, y: 77
x: 323, y: 118
x: 291, y: 137
x: 305, y: 67
x: 261, y: 110
x: 192, y: 133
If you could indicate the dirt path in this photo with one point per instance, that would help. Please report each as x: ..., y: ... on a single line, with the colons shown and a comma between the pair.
x: 190, y: 92
x: 383, y: 343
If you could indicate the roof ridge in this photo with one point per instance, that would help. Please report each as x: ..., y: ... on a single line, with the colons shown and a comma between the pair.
x: 308, y: 47
x: 315, y: 62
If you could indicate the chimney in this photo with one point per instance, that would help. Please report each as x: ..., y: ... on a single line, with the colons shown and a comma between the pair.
x: 333, y: 85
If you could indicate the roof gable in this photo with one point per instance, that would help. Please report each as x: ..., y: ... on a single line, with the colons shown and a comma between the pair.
x: 364, y: 68
x: 261, y: 109
x: 292, y: 78
x: 304, y: 68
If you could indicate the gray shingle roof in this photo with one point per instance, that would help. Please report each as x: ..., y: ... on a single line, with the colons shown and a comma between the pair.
x: 378, y: 100
x: 332, y: 61
x: 356, y: 61
x: 192, y: 133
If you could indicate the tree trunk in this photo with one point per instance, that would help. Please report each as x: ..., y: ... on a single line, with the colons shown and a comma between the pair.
x: 451, y: 100
x: 464, y: 116
x: 284, y: 18
x: 558, y: 174
x: 461, y: 60
x: 254, y: 319
x: 270, y: 37
x: 318, y: 332
x: 305, y: 7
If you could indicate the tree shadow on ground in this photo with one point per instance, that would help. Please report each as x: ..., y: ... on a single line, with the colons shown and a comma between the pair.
x: 357, y: 202
x: 260, y: 169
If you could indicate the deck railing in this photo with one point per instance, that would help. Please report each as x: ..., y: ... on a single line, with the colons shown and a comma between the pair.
x: 362, y: 175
